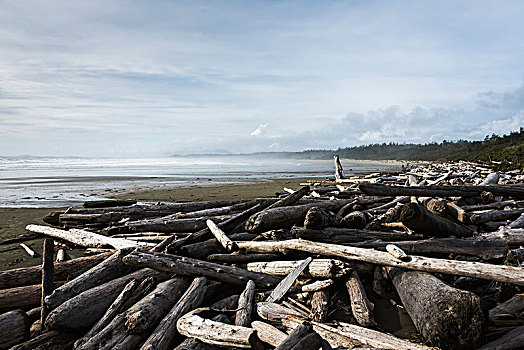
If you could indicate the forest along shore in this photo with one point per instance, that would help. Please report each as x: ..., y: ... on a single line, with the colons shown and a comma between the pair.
x: 315, y: 266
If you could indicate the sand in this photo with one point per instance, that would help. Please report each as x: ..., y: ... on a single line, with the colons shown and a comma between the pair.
x: 14, y: 220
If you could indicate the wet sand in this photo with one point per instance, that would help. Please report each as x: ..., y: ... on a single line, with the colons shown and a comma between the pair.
x: 14, y: 220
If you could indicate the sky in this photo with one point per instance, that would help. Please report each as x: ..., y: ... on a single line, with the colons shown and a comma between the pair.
x: 155, y: 78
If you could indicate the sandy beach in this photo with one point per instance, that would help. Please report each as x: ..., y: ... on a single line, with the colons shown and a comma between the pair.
x: 14, y: 220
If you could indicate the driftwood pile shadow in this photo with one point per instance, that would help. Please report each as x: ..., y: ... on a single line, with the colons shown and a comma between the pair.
x: 299, y: 271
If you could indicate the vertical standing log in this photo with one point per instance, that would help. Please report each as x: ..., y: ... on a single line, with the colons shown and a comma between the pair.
x: 47, y: 277
x: 339, y: 172
x: 245, y: 305
x: 360, y: 304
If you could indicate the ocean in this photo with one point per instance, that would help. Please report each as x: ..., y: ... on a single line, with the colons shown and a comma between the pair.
x: 27, y: 182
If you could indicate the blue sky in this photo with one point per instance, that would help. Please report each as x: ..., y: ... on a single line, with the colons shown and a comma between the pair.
x: 153, y: 78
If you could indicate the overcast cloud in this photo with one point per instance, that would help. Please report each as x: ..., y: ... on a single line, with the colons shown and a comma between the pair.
x: 146, y: 78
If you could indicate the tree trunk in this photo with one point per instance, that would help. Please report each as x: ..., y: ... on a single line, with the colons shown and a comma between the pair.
x: 318, y: 268
x: 319, y: 305
x: 109, y: 269
x: 496, y: 215
x: 241, y: 258
x: 191, y: 267
x: 47, y: 276
x: 485, y: 249
x: 245, y: 305
x: 448, y: 317
x: 165, y: 332
x: 86, y: 308
x: 441, y: 191
x: 512, y: 340
x: 420, y: 220
x: 201, y: 250
x: 317, y: 218
x: 33, y: 275
x: 14, y: 328
x: 348, y: 335
x: 83, y: 238
x: 26, y: 297
x: 285, y: 217
x: 500, y: 273
x: 348, y: 235
x: 169, y: 224
x: 217, y: 333
x: 268, y: 333
x: 361, y: 307
x: 221, y: 237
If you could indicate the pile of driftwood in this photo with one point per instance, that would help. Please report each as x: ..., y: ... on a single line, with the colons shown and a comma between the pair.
x: 269, y: 273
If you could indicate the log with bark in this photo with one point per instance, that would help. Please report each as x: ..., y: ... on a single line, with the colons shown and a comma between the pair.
x: 361, y: 307
x: 245, y: 305
x: 348, y: 235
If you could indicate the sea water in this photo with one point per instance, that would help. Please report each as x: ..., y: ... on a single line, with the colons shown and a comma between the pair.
x: 58, y: 182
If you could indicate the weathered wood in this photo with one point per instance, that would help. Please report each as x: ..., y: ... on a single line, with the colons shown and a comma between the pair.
x: 226, y: 225
x: 507, y: 310
x: 355, y: 219
x: 170, y: 224
x: 104, y: 203
x: 508, y: 274
x: 191, y: 267
x: 444, y: 315
x: 245, y: 305
x: 319, y: 305
x: 25, y: 297
x: 349, y: 336
x: 14, y: 328
x: 295, y: 336
x: 274, y: 312
x: 484, y: 248
x: 456, y: 212
x: 494, y: 205
x: 290, y: 199
x: 201, y: 250
x: 212, y: 332
x: 317, y: 218
x: 28, y: 250
x: 49, y: 340
x: 285, y: 217
x: 496, y: 215
x: 33, y: 275
x: 311, y: 341
x: 518, y: 222
x: 491, y: 178
x: 268, y: 333
x: 116, y: 307
x: 61, y: 255
x: 512, y: 340
x: 164, y: 334
x: 109, y: 269
x: 221, y: 237
x: 282, y: 288
x: 320, y: 268
x: 47, y: 276
x: 348, y: 235
x: 339, y: 172
x: 441, y: 191
x: 241, y: 258
x: 83, y: 238
x: 93, y: 303
x: 315, y: 286
x: 420, y: 220
x: 195, y: 344
x: 397, y: 252
x: 361, y: 307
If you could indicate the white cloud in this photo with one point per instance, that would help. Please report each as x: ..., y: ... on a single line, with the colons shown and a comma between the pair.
x: 259, y: 130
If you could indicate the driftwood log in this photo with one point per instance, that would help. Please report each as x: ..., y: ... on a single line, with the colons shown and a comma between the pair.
x: 191, y: 267
x: 318, y: 268
x: 14, y: 328
x: 508, y: 274
x: 447, y: 316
